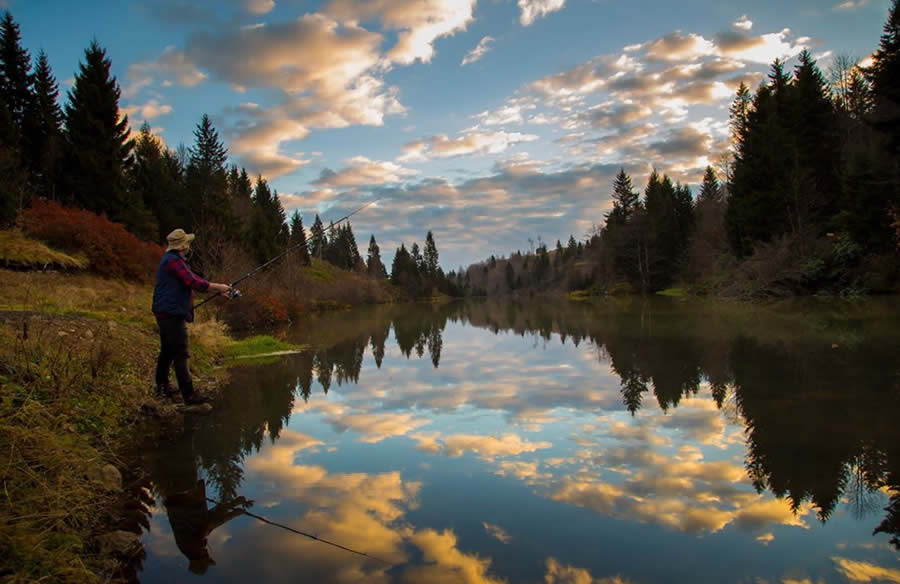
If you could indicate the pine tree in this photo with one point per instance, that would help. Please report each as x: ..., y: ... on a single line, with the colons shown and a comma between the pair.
x: 815, y: 184
x: 708, y: 244
x: 859, y: 95
x: 14, y: 99
x: 430, y: 258
x: 740, y: 112
x: 207, y: 181
x: 710, y: 190
x: 317, y: 238
x: 298, y: 238
x: 624, y: 194
x: 418, y: 260
x: 764, y: 159
x: 266, y: 223
x: 43, y: 139
x: 15, y: 77
x: 355, y: 261
x: 664, y: 230
x: 571, y: 247
x: 98, y: 149
x: 884, y: 76
x: 150, y: 179
x: 240, y: 190
x: 374, y: 265
x: 12, y: 185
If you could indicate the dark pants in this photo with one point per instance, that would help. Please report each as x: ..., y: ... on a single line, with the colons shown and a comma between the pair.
x: 173, y: 340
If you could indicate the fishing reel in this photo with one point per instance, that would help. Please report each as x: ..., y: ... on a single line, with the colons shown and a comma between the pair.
x: 234, y: 294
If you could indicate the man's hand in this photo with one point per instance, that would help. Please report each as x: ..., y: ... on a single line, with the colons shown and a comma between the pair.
x: 223, y: 288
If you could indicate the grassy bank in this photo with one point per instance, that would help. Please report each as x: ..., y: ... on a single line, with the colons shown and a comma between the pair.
x: 77, y: 354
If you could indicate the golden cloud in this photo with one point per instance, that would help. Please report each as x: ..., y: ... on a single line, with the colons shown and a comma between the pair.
x: 445, y: 564
x: 377, y: 426
x: 567, y: 574
x: 856, y: 571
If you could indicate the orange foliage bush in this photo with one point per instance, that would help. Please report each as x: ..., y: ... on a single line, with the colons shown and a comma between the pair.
x: 112, y: 251
x: 254, y: 310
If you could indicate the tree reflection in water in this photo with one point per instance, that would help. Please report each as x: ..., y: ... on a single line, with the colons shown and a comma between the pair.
x: 816, y: 390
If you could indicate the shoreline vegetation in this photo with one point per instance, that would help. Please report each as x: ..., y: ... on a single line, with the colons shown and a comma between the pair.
x: 77, y: 353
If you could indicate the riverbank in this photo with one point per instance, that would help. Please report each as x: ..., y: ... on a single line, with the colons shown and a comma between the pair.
x: 77, y: 354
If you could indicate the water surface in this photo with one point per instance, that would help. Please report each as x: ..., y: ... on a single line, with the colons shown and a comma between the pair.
x: 635, y: 441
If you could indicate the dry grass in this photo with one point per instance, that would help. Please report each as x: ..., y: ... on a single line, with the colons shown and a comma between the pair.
x: 20, y: 251
x: 76, y: 361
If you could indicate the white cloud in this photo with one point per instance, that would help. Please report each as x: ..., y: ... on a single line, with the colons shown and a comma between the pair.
x: 762, y: 49
x: 484, y: 45
x: 679, y: 47
x: 743, y: 23
x: 442, y: 146
x: 850, y: 5
x: 531, y: 10
x: 148, y: 111
x: 487, y: 447
x: 362, y: 171
x: 419, y: 22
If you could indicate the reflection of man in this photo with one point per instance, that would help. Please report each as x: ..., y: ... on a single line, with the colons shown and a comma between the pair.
x: 192, y: 522
x: 184, y: 496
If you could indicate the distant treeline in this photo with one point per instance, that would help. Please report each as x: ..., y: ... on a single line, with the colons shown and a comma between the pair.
x: 807, y: 201
x: 84, y: 155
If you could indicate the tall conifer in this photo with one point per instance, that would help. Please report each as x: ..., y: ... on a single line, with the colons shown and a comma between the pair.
x: 374, y: 265
x: 430, y: 258
x: 43, y: 140
x: 298, y: 237
x: 15, y: 72
x: 98, y: 149
x: 317, y: 238
x: 884, y: 75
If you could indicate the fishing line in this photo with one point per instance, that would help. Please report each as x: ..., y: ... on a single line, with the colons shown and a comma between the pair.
x: 309, y: 535
x: 284, y: 253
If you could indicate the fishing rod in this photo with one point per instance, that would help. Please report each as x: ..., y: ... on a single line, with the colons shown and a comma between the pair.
x: 303, y: 533
x: 236, y: 294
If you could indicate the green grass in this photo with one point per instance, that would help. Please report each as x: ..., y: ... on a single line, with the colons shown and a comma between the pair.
x: 322, y: 271
x: 17, y: 249
x: 674, y: 292
x: 260, y: 345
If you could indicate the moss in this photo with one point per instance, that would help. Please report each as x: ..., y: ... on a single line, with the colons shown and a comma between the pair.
x: 673, y: 292
x: 18, y: 250
x: 260, y: 345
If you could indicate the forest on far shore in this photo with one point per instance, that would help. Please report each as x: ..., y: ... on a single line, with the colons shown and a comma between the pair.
x: 807, y: 201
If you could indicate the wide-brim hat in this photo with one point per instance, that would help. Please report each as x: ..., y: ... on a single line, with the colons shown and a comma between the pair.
x: 179, y: 240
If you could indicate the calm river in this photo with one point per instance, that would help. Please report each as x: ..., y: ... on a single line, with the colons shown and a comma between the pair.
x: 630, y: 441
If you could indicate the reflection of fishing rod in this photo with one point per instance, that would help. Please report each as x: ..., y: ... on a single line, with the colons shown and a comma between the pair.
x: 309, y: 535
x: 236, y: 294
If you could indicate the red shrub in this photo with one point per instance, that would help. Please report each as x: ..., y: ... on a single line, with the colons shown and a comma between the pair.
x: 112, y: 251
x: 255, y: 309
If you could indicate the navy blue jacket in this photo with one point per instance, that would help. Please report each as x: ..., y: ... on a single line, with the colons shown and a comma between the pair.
x: 173, y: 293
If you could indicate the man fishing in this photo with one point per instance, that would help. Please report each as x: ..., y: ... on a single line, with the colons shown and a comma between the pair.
x: 173, y: 307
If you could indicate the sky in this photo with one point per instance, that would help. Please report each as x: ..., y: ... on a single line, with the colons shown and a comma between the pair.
x: 496, y: 124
